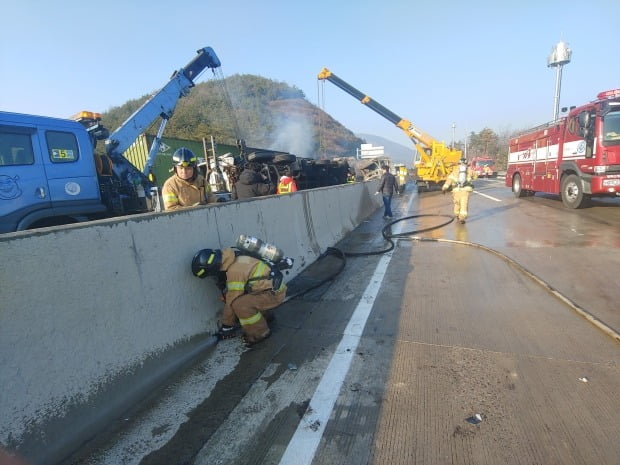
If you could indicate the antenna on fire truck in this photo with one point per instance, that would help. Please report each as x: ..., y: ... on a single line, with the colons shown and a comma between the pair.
x: 560, y: 56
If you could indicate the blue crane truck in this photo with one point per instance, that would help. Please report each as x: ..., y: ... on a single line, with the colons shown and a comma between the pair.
x: 50, y: 173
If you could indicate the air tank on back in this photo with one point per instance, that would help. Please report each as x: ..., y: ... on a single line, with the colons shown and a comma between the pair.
x: 256, y: 247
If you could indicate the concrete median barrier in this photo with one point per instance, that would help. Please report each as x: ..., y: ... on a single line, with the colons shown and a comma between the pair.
x: 93, y: 315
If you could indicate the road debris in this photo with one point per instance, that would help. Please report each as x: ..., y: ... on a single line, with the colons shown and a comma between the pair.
x: 474, y: 420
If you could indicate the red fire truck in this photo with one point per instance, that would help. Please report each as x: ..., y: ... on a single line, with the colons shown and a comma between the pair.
x: 576, y: 156
x: 484, y: 167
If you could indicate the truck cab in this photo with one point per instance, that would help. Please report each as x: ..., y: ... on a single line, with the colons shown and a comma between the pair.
x: 484, y: 167
x: 47, y: 172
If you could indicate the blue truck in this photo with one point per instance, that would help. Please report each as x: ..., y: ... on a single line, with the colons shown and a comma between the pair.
x: 51, y: 174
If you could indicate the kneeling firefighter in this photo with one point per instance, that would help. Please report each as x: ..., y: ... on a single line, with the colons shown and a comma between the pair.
x: 251, y: 286
x: 460, y: 182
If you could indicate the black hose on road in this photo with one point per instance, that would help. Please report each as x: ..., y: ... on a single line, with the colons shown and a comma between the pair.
x: 413, y: 236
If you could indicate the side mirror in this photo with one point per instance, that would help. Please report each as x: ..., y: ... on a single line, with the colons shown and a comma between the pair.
x: 585, y: 124
x: 585, y: 119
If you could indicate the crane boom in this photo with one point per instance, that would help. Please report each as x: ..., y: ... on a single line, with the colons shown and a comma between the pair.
x: 435, y: 159
x: 162, y: 103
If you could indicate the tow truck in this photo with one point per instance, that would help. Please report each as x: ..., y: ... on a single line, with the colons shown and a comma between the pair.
x: 435, y: 160
x: 576, y: 156
x: 51, y: 174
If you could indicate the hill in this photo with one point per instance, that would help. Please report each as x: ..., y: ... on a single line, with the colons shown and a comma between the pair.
x: 397, y: 152
x: 265, y: 113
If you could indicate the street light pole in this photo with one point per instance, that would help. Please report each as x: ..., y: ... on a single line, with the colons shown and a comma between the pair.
x: 453, y: 128
x: 560, y: 56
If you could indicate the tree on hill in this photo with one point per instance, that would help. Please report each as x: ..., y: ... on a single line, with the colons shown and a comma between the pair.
x: 265, y: 113
x: 488, y: 143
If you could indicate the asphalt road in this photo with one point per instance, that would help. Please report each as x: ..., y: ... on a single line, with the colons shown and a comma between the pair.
x: 434, y: 353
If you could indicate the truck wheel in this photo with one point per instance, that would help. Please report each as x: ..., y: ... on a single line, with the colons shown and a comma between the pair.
x: 572, y: 192
x: 516, y: 186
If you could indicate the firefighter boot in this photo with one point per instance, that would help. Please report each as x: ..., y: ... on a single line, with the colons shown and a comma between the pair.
x: 226, y: 332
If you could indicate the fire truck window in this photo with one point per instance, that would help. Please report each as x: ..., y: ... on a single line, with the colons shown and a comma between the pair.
x: 15, y: 149
x: 62, y: 147
x: 572, y: 126
x: 611, y: 127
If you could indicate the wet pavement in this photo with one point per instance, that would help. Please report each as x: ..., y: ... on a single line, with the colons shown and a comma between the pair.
x: 435, y: 353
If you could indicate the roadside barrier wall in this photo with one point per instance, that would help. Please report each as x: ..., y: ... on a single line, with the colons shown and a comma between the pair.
x: 90, y: 313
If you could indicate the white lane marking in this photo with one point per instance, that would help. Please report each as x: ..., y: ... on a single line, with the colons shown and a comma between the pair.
x: 488, y: 196
x: 305, y: 441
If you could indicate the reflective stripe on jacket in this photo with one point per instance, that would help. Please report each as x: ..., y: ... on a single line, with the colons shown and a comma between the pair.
x: 452, y: 181
x: 284, y: 188
x: 243, y: 275
x: 286, y: 185
x: 178, y: 193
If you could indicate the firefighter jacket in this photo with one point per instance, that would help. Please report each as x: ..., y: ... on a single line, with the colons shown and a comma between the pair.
x: 251, y: 184
x: 389, y: 185
x: 287, y: 185
x: 179, y: 193
x: 245, y: 275
x: 452, y: 181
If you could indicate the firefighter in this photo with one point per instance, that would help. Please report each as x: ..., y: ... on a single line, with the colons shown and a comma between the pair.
x: 250, y: 289
x: 286, y: 185
x: 186, y: 187
x: 460, y: 182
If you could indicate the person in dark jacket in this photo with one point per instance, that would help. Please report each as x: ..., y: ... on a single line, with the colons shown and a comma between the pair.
x: 388, y: 187
x: 251, y: 184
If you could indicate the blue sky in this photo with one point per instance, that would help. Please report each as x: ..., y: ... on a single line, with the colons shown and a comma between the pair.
x: 474, y: 64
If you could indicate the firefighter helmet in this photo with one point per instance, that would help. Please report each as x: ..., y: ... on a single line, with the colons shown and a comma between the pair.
x: 184, y: 157
x: 207, y: 262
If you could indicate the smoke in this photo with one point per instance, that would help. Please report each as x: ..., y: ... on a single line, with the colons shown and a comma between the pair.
x: 293, y: 134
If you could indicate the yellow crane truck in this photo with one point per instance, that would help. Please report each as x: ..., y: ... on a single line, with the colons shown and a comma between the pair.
x: 434, y: 160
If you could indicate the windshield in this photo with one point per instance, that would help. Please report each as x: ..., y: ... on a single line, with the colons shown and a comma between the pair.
x: 611, y: 128
x: 484, y: 163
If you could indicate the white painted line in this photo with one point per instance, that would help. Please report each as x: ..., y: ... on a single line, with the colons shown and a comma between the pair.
x: 488, y: 196
x: 305, y: 441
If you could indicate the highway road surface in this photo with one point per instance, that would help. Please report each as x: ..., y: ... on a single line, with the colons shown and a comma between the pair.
x: 494, y: 342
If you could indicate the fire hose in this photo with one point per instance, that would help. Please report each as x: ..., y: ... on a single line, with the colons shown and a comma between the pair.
x: 445, y: 220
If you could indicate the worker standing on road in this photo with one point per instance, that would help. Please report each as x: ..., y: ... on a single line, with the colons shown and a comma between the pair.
x: 251, y: 289
x: 460, y: 182
x: 388, y: 187
x: 186, y: 187
x: 251, y: 184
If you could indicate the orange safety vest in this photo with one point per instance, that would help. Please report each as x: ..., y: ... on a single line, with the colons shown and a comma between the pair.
x: 285, y: 188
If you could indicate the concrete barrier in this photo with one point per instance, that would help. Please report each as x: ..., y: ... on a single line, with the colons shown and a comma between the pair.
x: 90, y: 313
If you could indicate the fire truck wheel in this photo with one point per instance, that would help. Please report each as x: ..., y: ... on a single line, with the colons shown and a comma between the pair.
x: 516, y: 186
x: 572, y: 192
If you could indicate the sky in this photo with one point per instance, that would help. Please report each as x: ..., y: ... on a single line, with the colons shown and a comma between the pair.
x: 450, y: 67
